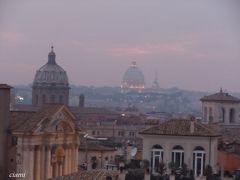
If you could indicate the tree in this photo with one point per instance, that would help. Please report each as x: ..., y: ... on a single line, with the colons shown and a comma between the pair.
x: 161, y: 168
x: 208, y: 172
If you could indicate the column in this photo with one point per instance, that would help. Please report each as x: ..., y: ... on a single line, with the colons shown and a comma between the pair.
x: 26, y: 160
x: 56, y: 169
x: 69, y: 160
x: 42, y: 162
x: 48, y: 162
x: 76, y: 157
x: 73, y: 164
x: 60, y: 170
x: 31, y: 162
x: 65, y: 166
x: 37, y: 161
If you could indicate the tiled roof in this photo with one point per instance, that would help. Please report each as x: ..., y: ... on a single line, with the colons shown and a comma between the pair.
x: 30, y: 121
x: 18, y: 118
x: 220, y: 96
x: 180, y: 127
x: 90, y: 110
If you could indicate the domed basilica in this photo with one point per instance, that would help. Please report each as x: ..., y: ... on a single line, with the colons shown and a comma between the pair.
x: 133, y: 78
x: 50, y: 83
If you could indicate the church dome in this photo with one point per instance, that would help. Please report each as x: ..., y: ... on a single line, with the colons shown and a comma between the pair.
x: 133, y: 78
x: 51, y: 73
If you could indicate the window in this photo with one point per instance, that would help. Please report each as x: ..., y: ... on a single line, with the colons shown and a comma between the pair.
x: 14, y: 140
x: 198, y: 161
x: 210, y: 115
x: 223, y: 114
x: 205, y: 113
x: 232, y: 115
x: 178, y: 156
x: 156, y: 156
x: 36, y: 99
x: 93, y: 132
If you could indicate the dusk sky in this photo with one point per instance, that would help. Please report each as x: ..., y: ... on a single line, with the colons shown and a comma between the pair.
x: 192, y: 44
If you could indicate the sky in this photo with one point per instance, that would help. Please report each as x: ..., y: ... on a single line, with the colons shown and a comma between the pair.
x: 191, y: 44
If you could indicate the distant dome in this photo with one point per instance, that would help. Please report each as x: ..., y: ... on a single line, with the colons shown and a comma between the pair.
x: 51, y: 73
x: 133, y: 78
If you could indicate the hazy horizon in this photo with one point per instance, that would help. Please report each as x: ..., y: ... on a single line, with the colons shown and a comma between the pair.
x: 192, y: 45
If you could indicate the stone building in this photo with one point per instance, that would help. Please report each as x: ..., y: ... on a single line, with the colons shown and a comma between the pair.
x: 44, y: 143
x: 181, y: 142
x: 50, y: 83
x: 37, y: 144
x: 221, y: 108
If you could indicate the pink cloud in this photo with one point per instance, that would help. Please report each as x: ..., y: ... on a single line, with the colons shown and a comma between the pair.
x: 146, y: 49
x: 168, y: 48
x: 123, y: 51
x: 10, y: 38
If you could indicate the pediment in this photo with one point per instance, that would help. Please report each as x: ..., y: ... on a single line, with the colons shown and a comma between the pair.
x: 61, y: 121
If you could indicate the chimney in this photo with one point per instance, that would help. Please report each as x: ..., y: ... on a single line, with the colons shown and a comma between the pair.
x: 192, y: 125
x: 81, y: 100
x: 4, y: 125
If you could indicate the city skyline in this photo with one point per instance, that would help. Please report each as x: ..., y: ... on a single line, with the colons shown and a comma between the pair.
x: 191, y: 45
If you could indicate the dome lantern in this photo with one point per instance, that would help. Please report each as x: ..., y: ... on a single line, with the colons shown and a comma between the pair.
x: 51, y: 57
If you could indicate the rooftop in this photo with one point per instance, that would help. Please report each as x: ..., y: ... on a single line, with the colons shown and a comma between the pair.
x: 28, y: 121
x: 180, y: 127
x: 221, y: 96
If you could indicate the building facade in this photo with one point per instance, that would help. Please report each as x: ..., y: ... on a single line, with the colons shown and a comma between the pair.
x: 180, y: 142
x: 44, y: 143
x: 50, y: 83
x: 221, y: 108
x: 4, y: 125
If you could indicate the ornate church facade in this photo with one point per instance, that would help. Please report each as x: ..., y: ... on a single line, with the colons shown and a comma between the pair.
x: 42, y: 143
x: 46, y: 142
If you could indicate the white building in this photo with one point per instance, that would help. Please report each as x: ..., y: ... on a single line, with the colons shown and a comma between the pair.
x: 221, y: 108
x: 181, y: 142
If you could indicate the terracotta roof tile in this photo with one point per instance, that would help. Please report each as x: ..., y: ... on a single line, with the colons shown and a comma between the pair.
x: 29, y: 122
x: 180, y: 127
x: 18, y: 118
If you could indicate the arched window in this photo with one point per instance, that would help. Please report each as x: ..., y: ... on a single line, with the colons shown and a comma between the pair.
x: 36, y: 99
x: 178, y: 156
x: 210, y: 114
x: 223, y: 114
x: 232, y: 115
x: 205, y: 113
x: 156, y: 157
x: 198, y: 160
